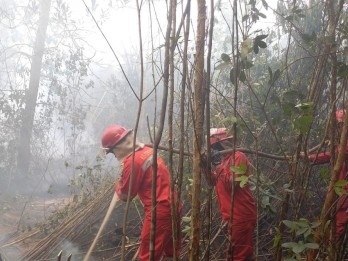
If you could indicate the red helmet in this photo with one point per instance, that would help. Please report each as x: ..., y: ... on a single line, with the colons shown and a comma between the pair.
x: 113, y: 135
x: 218, y: 134
x: 340, y: 115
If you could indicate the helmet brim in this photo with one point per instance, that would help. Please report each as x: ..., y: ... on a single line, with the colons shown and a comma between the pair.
x: 106, y: 150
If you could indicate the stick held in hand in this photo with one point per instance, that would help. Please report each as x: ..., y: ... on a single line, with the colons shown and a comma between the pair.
x: 106, y: 218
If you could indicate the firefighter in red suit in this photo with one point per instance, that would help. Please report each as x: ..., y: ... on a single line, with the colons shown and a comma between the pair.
x: 342, y: 204
x: 244, y: 206
x: 119, y: 141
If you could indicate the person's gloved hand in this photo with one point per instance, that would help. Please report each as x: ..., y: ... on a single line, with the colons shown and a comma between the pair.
x: 216, y: 158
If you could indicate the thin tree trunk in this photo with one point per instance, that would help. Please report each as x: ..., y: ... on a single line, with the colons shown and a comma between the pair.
x: 182, y: 104
x: 207, y: 125
x: 158, y: 135
x: 140, y: 106
x: 198, y: 132
x: 328, y: 207
x: 174, y: 210
x: 26, y: 130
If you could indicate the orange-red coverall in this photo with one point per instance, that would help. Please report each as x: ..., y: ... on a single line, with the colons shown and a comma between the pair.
x: 244, y: 207
x: 141, y: 185
x: 342, y: 204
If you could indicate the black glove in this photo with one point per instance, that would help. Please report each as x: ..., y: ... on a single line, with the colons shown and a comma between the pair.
x: 216, y: 158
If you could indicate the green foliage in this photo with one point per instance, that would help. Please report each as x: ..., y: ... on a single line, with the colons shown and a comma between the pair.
x: 302, y: 123
x: 273, y: 77
x: 324, y: 173
x: 339, y: 187
x: 267, y: 192
x: 226, y: 58
x: 259, y: 43
x: 243, y: 180
x: 187, y: 225
x: 303, y: 231
x: 241, y: 169
x: 277, y: 239
x: 87, y: 181
x: 301, y: 115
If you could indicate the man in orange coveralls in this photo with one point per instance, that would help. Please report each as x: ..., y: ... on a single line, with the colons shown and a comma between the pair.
x: 342, y: 204
x: 244, y: 207
x: 119, y: 141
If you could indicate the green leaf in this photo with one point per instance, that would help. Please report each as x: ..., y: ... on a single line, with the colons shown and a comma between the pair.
x: 226, y: 58
x: 262, y: 15
x: 245, y: 17
x: 305, y: 105
x: 186, y: 219
x: 301, y: 231
x: 315, y: 224
x: 338, y: 187
x: 298, y: 248
x: 290, y: 224
x: 288, y: 109
x: 307, y: 233
x: 277, y: 238
x: 265, y: 5
x: 289, y: 245
x: 256, y: 48
x: 324, y: 173
x: 327, y: 225
x: 303, y: 222
x: 187, y: 230
x: 262, y: 44
x: 312, y: 245
x: 260, y: 37
x: 341, y: 183
x: 241, y: 169
x: 243, y: 180
x: 303, y: 124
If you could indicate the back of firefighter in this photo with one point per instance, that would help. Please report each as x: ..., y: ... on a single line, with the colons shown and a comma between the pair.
x: 244, y: 206
x: 119, y: 141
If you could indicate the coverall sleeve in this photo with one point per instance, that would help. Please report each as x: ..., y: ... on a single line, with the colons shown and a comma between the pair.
x: 122, y: 186
x: 324, y: 157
